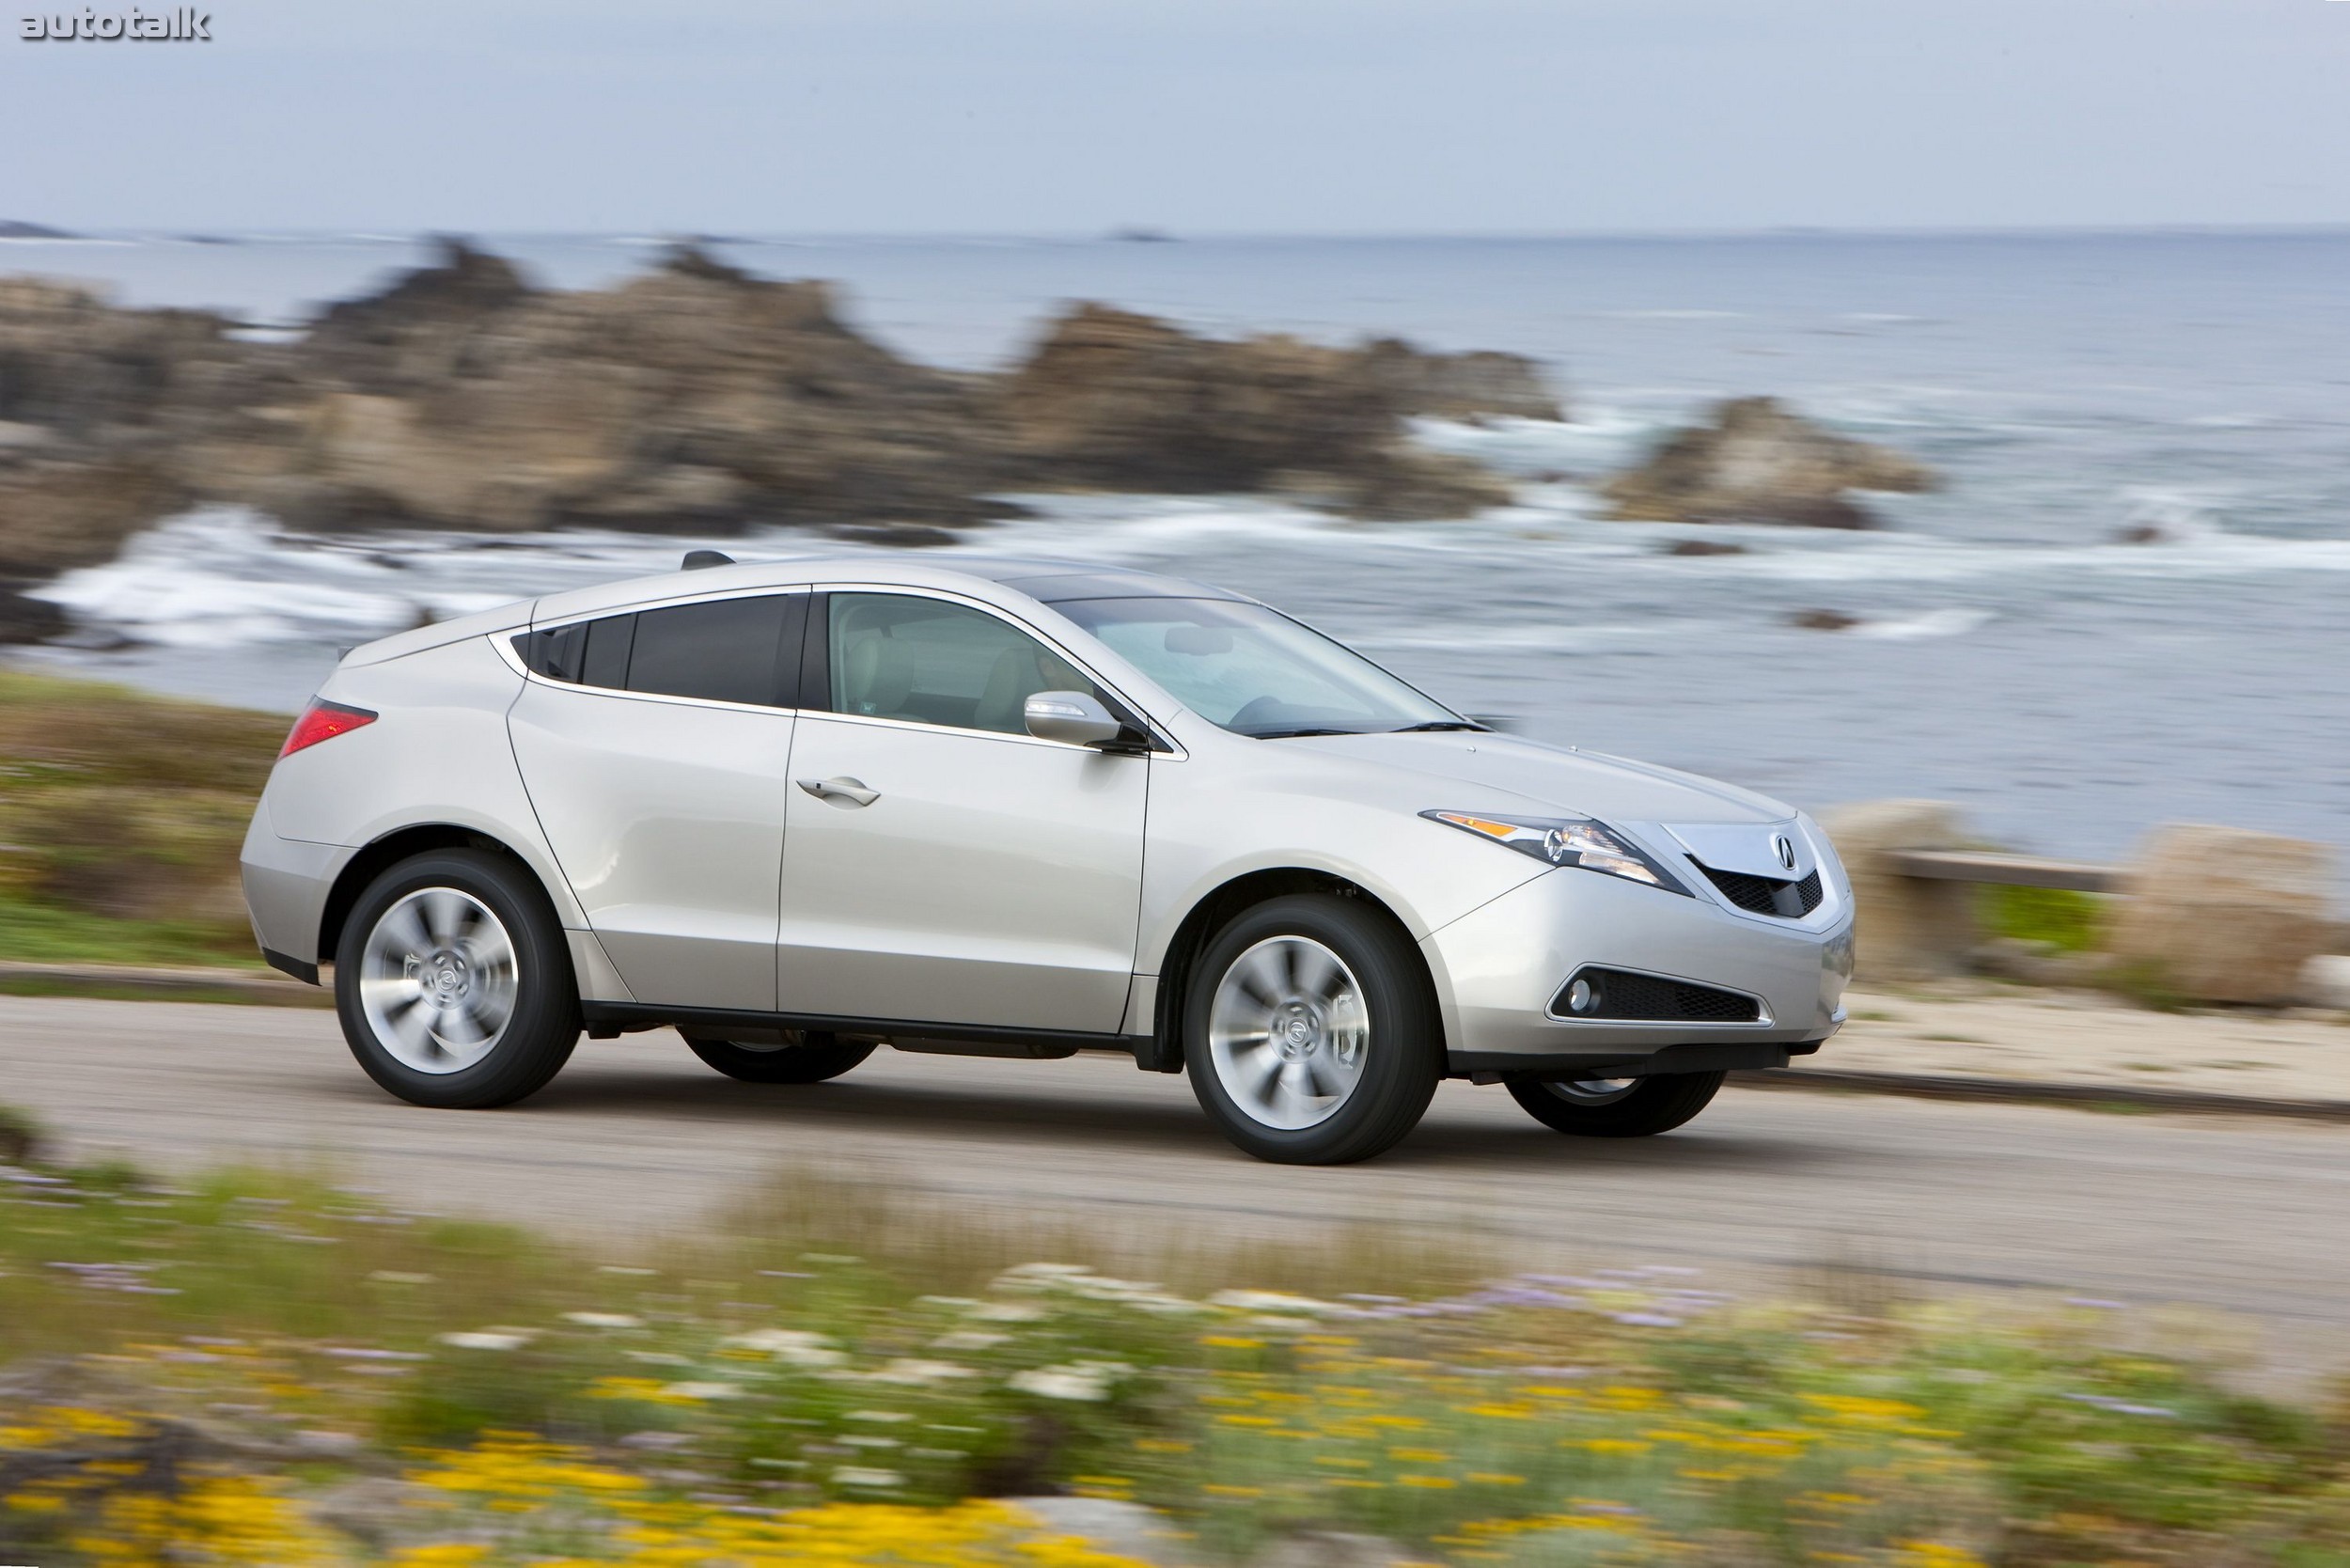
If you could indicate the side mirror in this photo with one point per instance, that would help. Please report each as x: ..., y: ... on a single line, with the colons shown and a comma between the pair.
x: 1072, y: 717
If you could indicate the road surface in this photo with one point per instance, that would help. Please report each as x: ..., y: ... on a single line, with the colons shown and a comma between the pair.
x: 2248, y: 1217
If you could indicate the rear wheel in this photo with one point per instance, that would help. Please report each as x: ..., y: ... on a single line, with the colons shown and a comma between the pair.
x: 1616, y: 1108
x: 803, y: 1057
x: 1310, y: 1033
x: 453, y: 982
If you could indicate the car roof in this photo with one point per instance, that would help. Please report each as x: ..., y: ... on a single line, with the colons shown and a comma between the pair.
x: 1047, y: 581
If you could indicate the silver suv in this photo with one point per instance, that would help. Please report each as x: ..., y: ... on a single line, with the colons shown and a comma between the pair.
x: 1024, y: 809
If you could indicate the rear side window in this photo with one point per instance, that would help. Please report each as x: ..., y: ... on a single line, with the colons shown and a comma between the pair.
x: 726, y: 650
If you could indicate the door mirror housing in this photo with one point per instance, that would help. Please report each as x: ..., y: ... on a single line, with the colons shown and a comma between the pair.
x: 1073, y: 717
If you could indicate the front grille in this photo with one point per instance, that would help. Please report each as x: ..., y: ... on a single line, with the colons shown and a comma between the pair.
x: 1763, y: 895
x: 1620, y: 993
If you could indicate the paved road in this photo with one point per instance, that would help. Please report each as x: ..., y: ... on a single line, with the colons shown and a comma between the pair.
x: 2244, y: 1215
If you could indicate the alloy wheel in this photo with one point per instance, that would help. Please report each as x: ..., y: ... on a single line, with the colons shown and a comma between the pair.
x: 1289, y: 1033
x: 439, y: 979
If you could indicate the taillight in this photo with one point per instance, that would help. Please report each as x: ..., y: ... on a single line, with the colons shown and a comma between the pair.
x: 323, y: 721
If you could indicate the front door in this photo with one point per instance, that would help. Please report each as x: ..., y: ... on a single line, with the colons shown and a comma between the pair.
x: 656, y: 751
x: 940, y: 863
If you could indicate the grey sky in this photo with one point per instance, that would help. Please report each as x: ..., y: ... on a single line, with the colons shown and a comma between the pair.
x: 1256, y: 116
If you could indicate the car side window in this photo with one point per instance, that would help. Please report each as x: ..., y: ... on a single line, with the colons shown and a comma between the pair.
x: 724, y: 650
x: 930, y: 662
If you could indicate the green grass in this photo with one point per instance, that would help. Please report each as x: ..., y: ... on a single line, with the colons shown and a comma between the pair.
x: 35, y: 931
x: 828, y: 1341
x: 2066, y: 921
x: 120, y: 818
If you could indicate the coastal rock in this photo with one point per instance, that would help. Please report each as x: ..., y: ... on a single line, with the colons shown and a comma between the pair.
x: 694, y: 398
x: 1904, y: 927
x: 2224, y: 915
x: 1114, y: 399
x: 1467, y: 387
x: 1759, y: 462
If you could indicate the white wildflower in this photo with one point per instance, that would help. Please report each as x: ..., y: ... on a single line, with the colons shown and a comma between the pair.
x: 1007, y: 1311
x: 603, y: 1320
x: 489, y: 1338
x: 1079, y: 1380
x: 1274, y: 1301
x: 797, y: 1346
x: 858, y: 1474
x: 703, y: 1391
x: 916, y: 1373
x: 968, y: 1339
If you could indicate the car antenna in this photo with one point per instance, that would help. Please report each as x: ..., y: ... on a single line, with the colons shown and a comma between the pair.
x: 696, y: 560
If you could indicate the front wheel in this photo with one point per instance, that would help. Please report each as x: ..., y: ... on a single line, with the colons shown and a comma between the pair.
x: 801, y: 1057
x: 453, y: 982
x: 1309, y: 1032
x: 1616, y: 1108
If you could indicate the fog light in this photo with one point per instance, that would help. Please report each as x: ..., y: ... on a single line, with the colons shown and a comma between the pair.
x: 1581, y: 997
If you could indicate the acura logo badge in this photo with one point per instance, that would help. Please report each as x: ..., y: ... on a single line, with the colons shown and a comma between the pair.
x: 1784, y: 848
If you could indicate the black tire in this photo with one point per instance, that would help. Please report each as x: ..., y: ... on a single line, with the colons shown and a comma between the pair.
x: 811, y: 1058
x: 543, y: 1024
x: 1401, y: 1054
x: 1653, y: 1105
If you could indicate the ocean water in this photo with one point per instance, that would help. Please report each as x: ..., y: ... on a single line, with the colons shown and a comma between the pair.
x: 2010, y: 654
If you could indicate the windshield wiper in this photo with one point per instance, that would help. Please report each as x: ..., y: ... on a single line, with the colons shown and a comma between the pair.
x: 1439, y: 724
x: 1295, y: 734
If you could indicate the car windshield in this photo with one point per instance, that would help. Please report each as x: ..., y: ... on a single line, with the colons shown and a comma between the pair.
x: 1255, y: 671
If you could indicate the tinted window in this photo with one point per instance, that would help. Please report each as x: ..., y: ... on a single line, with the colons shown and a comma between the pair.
x: 605, y: 661
x: 895, y: 656
x: 554, y: 654
x: 727, y: 650
x: 1254, y: 670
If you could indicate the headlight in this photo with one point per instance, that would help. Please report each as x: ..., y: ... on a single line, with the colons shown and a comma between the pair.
x: 1567, y: 841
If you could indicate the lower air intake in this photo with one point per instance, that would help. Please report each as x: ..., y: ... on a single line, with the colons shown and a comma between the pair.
x: 1625, y: 996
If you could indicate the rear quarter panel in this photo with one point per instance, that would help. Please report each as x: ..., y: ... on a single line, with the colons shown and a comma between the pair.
x: 437, y: 753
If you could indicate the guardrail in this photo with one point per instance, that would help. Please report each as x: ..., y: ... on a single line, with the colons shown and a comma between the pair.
x: 2009, y: 870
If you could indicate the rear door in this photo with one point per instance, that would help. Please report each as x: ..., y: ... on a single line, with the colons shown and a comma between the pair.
x: 655, y: 746
x: 942, y: 864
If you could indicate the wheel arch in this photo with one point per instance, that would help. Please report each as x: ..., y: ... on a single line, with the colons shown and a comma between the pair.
x: 379, y: 855
x: 1228, y: 899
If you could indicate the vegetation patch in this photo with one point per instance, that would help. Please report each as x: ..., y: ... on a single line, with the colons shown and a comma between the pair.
x: 120, y: 819
x: 2053, y: 917
x: 256, y: 1369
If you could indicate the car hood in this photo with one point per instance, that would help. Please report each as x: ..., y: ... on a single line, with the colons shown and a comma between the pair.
x: 1463, y: 771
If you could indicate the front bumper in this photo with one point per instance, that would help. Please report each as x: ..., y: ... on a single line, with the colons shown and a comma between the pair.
x: 1498, y: 967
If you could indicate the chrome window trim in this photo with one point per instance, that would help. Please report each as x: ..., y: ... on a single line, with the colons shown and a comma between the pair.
x: 1173, y: 750
x: 504, y: 643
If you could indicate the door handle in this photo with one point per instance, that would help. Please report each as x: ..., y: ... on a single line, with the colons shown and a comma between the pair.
x: 850, y: 790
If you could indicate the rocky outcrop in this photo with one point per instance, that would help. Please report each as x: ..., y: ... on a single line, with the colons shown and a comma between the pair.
x: 1113, y: 400
x: 696, y: 397
x: 2224, y: 915
x: 1759, y: 462
x: 1904, y: 927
